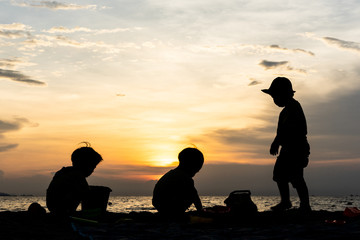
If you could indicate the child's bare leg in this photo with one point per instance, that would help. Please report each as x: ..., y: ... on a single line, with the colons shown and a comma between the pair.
x: 284, y: 192
x: 303, y: 194
x: 285, y: 202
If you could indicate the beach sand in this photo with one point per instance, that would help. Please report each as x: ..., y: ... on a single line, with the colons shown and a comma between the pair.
x: 145, y: 225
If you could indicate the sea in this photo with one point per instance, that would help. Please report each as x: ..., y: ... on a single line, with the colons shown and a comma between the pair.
x: 127, y: 204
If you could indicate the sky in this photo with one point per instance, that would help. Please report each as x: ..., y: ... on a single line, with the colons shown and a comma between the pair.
x: 141, y: 80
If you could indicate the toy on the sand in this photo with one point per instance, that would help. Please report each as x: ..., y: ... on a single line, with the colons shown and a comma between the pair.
x: 240, y: 202
x: 97, y: 198
x: 351, y: 212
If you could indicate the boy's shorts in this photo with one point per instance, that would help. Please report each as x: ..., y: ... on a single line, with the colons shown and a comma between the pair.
x: 289, y: 169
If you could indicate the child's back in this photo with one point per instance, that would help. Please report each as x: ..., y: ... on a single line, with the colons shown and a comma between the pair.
x: 66, y: 190
x: 175, y: 191
x: 69, y: 186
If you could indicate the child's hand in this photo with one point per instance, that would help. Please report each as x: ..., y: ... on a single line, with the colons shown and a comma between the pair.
x: 274, y: 149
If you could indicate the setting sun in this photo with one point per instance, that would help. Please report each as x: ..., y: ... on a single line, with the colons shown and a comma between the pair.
x: 164, y: 162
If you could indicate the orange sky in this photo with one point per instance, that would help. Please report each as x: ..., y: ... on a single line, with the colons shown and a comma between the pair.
x: 142, y: 85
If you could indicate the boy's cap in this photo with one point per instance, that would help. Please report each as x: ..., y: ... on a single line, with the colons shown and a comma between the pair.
x: 279, y: 85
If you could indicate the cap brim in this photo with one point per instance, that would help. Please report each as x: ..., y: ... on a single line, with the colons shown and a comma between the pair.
x: 267, y: 91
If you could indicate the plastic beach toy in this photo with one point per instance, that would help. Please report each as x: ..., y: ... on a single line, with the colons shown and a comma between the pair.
x: 351, y: 212
x: 98, y: 198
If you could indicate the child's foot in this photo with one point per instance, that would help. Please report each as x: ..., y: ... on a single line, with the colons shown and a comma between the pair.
x: 281, y: 207
x: 305, y: 208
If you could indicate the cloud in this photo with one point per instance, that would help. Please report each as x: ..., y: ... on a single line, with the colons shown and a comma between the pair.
x: 88, y: 30
x: 36, y: 185
x: 64, y: 41
x: 7, y: 147
x: 277, y: 47
x: 14, y: 26
x: 53, y: 5
x: 255, y: 136
x: 9, y: 63
x: 14, y: 125
x: 13, y: 62
x: 334, y: 127
x: 19, y: 77
x: 15, y: 30
x: 239, y: 144
x: 282, y: 64
x: 271, y: 65
x: 333, y: 132
x: 352, y: 46
x: 12, y: 34
x: 6, y: 126
x: 254, y: 83
x: 230, y: 49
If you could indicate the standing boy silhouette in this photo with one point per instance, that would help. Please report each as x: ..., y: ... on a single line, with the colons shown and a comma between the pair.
x: 295, y: 150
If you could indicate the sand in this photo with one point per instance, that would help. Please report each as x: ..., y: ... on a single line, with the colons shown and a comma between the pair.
x: 144, y: 225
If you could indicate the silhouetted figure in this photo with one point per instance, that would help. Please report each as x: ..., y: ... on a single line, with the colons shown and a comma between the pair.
x: 69, y: 186
x: 175, y: 191
x: 295, y: 150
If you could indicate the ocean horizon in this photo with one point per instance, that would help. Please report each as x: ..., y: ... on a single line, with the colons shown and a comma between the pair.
x: 127, y: 204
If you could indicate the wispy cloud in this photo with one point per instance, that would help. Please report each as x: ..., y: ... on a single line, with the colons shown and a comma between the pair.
x: 12, y: 34
x: 15, y: 125
x: 6, y: 126
x: 62, y: 29
x: 352, y: 46
x: 7, y: 147
x: 277, y: 47
x: 14, y: 26
x: 335, y: 42
x: 53, y: 5
x: 14, y: 30
x: 236, y: 48
x: 9, y: 63
x: 282, y: 64
x: 271, y: 64
x: 254, y: 82
x: 19, y: 77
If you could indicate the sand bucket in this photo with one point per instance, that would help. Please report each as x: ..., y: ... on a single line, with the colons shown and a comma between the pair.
x: 98, y: 198
x: 240, y: 202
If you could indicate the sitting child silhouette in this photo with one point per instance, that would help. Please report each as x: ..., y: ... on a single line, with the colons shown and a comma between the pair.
x: 175, y: 191
x: 69, y: 186
x: 295, y: 150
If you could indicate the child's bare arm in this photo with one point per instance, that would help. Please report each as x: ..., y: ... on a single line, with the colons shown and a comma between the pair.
x: 274, y: 149
x: 197, y: 203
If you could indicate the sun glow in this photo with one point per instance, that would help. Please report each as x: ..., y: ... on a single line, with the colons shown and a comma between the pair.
x: 164, y: 162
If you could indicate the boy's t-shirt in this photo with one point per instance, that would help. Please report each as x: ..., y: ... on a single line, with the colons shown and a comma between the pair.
x: 292, y: 130
x: 174, y: 192
x: 66, y: 190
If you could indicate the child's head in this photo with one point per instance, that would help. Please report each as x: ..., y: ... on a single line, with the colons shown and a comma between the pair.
x: 86, y: 159
x: 280, y: 90
x: 191, y: 160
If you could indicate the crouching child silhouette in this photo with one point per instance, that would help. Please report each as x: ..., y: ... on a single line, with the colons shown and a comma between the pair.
x: 69, y: 187
x: 175, y: 192
x: 295, y: 150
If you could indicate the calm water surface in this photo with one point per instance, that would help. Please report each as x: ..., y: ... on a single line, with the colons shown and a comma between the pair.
x: 128, y: 204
